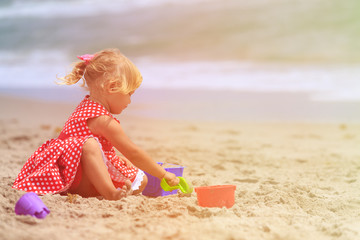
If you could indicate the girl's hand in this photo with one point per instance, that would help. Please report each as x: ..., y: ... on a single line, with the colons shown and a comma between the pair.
x: 127, y: 161
x: 171, y: 179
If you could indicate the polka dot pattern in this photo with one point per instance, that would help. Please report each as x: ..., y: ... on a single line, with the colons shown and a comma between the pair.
x: 53, y: 166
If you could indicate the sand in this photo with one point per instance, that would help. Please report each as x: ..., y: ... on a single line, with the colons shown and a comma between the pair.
x: 293, y: 180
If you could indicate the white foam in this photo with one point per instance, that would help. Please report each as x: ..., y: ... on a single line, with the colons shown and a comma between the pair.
x: 75, y: 8
x: 324, y: 83
x: 34, y: 69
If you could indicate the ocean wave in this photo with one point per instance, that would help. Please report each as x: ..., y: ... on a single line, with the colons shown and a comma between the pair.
x: 257, y: 30
x: 322, y: 82
x: 73, y: 8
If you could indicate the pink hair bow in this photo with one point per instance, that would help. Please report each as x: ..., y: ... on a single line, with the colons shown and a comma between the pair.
x: 86, y: 58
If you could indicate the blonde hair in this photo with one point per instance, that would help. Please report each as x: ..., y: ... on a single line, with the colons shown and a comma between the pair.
x: 109, y: 69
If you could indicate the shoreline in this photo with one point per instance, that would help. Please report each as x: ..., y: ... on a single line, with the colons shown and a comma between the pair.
x: 205, y: 105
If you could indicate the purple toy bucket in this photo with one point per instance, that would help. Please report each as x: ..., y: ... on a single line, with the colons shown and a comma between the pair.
x: 153, y: 188
x: 31, y: 204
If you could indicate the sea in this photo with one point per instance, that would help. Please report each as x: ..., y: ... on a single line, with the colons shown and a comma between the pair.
x: 254, y: 48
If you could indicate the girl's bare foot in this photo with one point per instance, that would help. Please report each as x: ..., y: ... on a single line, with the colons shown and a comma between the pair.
x: 121, y: 192
x: 118, y: 194
x: 127, y: 187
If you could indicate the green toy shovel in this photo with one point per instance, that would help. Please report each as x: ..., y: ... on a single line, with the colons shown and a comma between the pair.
x: 183, y: 186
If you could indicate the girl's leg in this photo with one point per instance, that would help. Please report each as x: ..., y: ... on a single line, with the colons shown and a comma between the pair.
x: 95, y: 176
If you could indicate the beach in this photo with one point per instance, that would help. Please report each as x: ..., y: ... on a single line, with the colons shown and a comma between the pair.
x: 262, y: 95
x: 294, y: 180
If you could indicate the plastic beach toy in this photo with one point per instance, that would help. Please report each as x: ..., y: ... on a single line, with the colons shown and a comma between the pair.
x: 183, y: 186
x: 153, y: 188
x: 216, y: 196
x: 31, y: 204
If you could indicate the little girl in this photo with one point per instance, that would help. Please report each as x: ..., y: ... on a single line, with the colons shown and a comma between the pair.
x: 82, y: 159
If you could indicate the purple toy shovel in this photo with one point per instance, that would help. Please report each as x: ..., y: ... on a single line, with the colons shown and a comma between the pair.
x: 31, y: 204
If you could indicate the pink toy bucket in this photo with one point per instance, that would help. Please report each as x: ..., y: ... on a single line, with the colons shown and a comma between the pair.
x: 216, y: 196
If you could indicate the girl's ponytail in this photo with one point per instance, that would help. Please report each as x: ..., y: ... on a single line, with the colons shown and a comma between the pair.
x: 107, y: 70
x: 76, y: 74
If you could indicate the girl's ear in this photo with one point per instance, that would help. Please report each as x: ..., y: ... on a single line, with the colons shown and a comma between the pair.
x: 110, y: 87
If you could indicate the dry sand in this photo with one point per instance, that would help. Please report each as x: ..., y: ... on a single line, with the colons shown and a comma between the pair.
x: 294, y: 181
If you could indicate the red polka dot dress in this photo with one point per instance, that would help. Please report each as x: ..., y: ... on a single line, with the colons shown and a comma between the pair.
x: 55, y: 166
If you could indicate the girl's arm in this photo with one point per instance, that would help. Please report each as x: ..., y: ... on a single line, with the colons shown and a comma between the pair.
x: 110, y: 129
